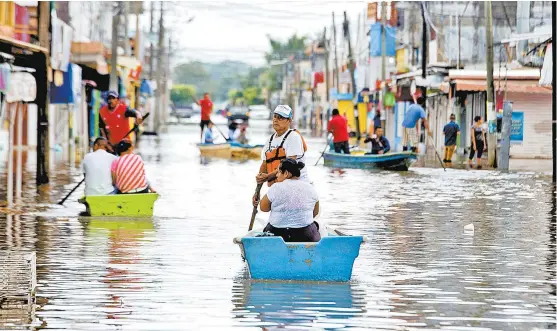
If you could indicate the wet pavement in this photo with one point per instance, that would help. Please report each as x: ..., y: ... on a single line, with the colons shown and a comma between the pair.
x: 180, y: 270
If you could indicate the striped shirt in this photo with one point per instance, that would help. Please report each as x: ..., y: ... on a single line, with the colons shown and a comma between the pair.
x: 130, y: 173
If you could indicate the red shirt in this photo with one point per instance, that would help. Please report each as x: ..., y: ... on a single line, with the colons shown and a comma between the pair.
x: 206, y: 109
x: 115, y: 122
x: 339, y: 127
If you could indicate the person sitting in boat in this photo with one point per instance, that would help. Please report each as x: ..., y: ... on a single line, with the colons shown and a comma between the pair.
x: 128, y: 171
x: 284, y: 143
x: 96, y: 169
x: 209, y: 137
x: 379, y: 143
x: 293, y: 204
x: 242, y: 137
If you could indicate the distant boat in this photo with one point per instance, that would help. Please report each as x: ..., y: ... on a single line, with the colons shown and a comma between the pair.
x: 390, y: 161
x: 231, y: 150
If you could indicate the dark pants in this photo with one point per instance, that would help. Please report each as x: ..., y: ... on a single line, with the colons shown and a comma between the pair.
x: 480, y: 146
x: 308, y: 233
x: 203, y: 124
x: 343, y: 146
x: 140, y: 192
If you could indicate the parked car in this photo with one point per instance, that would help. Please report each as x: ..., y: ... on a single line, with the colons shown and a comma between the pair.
x: 259, y: 112
x: 238, y: 113
x: 183, y: 112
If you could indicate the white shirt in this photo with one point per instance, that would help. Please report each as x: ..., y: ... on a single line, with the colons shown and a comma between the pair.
x: 293, y: 145
x: 96, y: 167
x: 292, y: 203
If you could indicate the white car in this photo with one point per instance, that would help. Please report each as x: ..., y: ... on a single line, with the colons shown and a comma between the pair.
x: 259, y: 112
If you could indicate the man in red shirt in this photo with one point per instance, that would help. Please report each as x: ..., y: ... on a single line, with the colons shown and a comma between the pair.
x: 114, y: 119
x: 339, y: 128
x: 206, y: 109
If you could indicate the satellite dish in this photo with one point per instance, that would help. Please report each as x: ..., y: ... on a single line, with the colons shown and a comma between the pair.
x: 413, y: 87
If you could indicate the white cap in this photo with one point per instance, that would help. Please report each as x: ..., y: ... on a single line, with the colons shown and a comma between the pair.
x: 284, y: 111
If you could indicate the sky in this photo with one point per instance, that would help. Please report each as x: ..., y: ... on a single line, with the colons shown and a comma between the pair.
x: 238, y: 29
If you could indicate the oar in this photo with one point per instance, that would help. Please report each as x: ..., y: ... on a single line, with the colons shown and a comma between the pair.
x: 222, y: 134
x: 68, y: 195
x: 133, y: 129
x: 436, y: 153
x: 254, y: 212
x: 81, y: 182
x: 324, y: 150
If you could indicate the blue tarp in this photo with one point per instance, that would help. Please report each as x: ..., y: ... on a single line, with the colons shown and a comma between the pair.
x: 63, y: 94
x: 145, y: 88
x: 375, y: 44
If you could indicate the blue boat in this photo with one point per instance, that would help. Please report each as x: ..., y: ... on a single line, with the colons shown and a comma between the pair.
x: 331, y: 259
x: 390, y: 161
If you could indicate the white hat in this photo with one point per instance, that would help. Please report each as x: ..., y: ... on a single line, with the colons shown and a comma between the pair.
x: 284, y: 111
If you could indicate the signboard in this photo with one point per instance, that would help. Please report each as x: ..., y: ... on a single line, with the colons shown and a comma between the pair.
x: 517, y: 127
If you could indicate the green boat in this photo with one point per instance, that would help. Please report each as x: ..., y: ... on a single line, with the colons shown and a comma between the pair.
x: 120, y: 204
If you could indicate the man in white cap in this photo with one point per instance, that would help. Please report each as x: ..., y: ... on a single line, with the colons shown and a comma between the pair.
x: 283, y: 143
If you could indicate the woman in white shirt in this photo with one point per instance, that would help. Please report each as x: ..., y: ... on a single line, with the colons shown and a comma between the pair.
x: 293, y: 204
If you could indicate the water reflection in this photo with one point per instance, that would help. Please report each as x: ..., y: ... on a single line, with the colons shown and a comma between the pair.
x: 276, y: 305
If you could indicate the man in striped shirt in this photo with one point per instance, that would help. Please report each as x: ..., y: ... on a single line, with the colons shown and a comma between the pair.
x: 128, y: 171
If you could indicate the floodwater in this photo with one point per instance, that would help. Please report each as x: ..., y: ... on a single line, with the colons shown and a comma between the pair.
x: 181, y: 271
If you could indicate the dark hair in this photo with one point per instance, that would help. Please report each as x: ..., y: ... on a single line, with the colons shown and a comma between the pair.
x: 335, y: 112
x: 292, y: 166
x: 452, y: 115
x: 477, y: 118
x: 123, y: 146
x: 98, y: 140
x: 420, y: 101
x: 379, y: 127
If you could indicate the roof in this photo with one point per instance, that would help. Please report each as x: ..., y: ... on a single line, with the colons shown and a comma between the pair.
x: 23, y: 44
x: 510, y: 74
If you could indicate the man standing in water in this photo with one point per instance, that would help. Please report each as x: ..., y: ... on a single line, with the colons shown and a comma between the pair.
x: 206, y: 109
x: 451, y: 131
x: 410, y: 125
x: 283, y: 143
x: 114, y: 119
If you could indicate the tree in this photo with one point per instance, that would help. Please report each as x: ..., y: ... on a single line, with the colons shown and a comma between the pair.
x: 181, y: 94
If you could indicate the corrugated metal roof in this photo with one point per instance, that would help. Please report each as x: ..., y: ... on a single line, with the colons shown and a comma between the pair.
x: 525, y: 86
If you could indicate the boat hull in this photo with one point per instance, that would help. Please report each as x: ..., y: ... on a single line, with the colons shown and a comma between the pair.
x: 135, y: 205
x: 391, y: 161
x: 246, y: 151
x: 331, y: 259
x: 218, y: 150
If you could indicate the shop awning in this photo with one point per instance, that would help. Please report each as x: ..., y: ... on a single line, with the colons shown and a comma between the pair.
x: 515, y: 86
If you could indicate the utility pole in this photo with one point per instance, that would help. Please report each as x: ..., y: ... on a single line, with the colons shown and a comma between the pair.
x: 42, y: 94
x: 351, y: 68
x: 151, y: 47
x: 325, y: 44
x: 491, y: 117
x: 424, y: 43
x: 114, y: 48
x: 337, y: 85
x: 160, y: 68
x: 126, y: 11
x: 554, y: 92
x: 137, y: 32
x: 383, y: 59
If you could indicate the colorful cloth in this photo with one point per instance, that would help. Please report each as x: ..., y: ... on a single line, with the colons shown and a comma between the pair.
x: 130, y: 173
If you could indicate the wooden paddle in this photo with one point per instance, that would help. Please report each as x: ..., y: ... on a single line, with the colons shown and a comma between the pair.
x: 324, y: 149
x: 61, y: 202
x: 436, y: 153
x: 254, y: 212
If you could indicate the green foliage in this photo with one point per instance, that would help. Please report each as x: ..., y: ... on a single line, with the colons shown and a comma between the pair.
x: 181, y: 94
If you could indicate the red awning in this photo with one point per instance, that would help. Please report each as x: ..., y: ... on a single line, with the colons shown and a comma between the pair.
x: 522, y: 86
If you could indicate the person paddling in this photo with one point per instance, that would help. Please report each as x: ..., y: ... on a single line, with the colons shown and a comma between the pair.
x: 96, y: 169
x: 339, y: 128
x: 114, y: 121
x: 284, y: 143
x: 293, y: 204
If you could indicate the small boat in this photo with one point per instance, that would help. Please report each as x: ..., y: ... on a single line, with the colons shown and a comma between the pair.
x: 120, y: 204
x: 246, y: 151
x: 390, y: 161
x: 219, y: 150
x: 331, y: 259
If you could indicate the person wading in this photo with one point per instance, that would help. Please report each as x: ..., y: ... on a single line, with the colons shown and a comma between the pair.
x: 410, y: 125
x: 284, y: 143
x: 339, y: 128
x: 451, y: 131
x: 293, y: 204
x: 478, y: 142
x: 114, y: 119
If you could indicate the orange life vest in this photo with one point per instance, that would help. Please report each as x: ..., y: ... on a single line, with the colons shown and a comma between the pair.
x: 116, y: 122
x: 273, y: 157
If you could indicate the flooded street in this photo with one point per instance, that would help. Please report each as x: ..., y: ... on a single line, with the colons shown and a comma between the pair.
x: 181, y: 271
